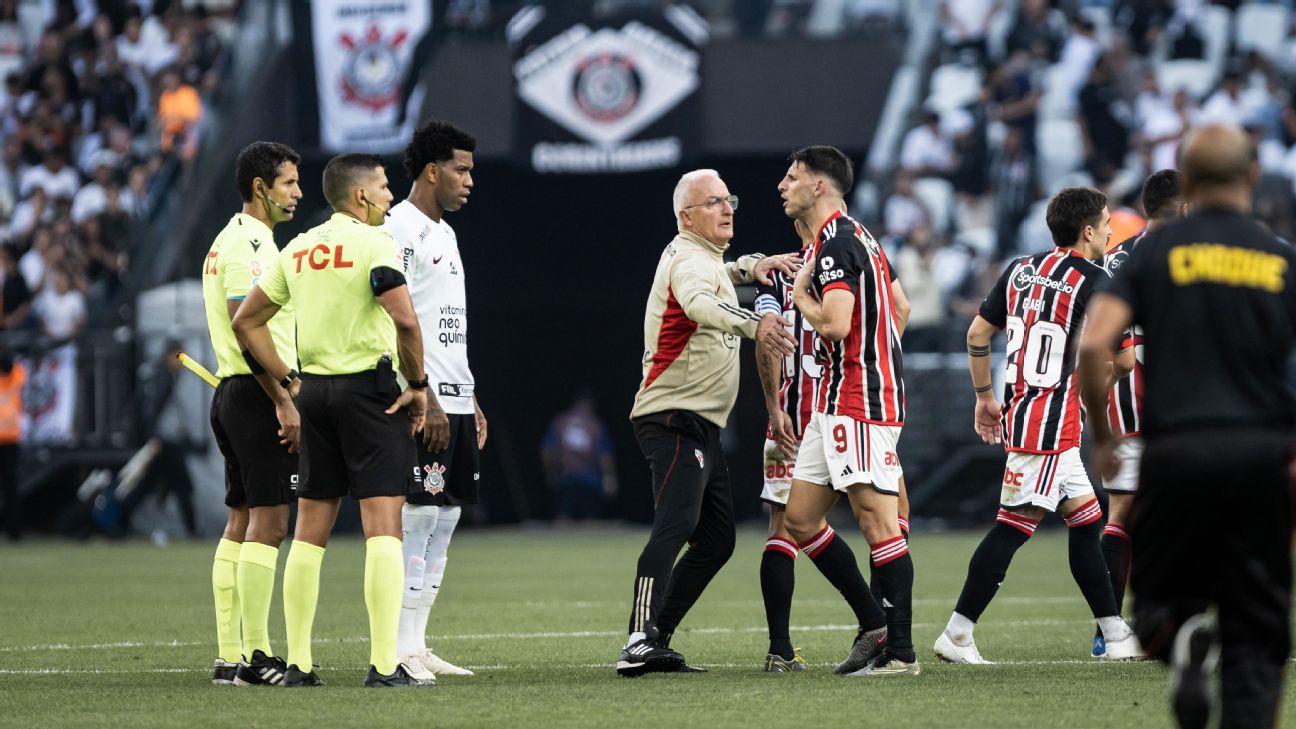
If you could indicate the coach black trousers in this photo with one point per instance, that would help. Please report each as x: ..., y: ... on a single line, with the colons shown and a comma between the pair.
x: 1211, y: 526
x: 694, y: 506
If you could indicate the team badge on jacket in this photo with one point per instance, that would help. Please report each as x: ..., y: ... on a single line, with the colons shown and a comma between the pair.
x: 434, y: 481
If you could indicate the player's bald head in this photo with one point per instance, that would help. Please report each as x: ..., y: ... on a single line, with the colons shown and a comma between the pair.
x: 1217, y: 155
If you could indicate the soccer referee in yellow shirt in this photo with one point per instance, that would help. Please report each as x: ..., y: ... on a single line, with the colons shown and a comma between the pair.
x: 355, y: 323
x: 253, y: 419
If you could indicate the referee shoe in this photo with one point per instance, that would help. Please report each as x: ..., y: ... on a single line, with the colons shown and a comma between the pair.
x: 262, y: 670
x: 223, y: 672
x: 399, y: 678
x: 294, y: 677
x: 645, y: 656
x: 868, y: 645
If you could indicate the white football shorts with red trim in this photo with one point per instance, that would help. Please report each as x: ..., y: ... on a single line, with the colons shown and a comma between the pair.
x: 1043, y: 480
x: 778, y: 475
x: 843, y: 451
x: 1129, y: 454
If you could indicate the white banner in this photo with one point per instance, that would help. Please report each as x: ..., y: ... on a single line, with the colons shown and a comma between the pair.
x: 49, y: 397
x: 363, y: 51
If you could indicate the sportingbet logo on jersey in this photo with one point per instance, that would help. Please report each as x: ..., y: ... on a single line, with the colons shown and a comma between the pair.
x: 1026, y: 277
x: 606, y: 95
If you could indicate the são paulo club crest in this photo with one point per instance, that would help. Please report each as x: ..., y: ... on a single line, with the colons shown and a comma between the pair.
x: 434, y: 478
x: 606, y: 86
x: 372, y: 73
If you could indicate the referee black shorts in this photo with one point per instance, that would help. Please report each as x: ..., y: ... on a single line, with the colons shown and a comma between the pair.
x: 258, y: 471
x: 348, y: 444
x: 451, y: 476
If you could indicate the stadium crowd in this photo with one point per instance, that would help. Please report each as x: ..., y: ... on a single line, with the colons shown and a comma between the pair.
x: 1029, y: 97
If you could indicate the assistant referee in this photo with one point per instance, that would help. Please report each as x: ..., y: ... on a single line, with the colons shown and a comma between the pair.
x: 250, y: 415
x: 355, y: 323
x: 1215, y: 294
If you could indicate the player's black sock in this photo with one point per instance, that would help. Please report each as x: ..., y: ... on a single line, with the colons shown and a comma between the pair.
x: 777, y: 577
x: 893, y: 575
x: 990, y: 563
x: 874, y: 586
x: 835, y: 560
x: 1116, y: 552
x: 1089, y: 569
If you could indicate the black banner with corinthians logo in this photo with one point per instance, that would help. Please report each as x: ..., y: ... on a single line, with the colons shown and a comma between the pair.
x: 606, y: 96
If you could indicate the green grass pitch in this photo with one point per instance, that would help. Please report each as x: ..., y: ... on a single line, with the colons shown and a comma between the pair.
x: 121, y: 635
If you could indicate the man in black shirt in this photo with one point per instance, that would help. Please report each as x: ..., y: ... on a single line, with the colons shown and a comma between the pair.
x: 1215, y: 294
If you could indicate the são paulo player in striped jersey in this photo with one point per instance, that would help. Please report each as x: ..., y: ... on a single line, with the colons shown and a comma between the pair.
x: 791, y: 384
x: 1162, y: 202
x: 849, y: 446
x: 1040, y: 301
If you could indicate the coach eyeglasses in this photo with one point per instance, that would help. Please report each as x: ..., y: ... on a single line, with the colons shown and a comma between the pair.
x: 712, y: 203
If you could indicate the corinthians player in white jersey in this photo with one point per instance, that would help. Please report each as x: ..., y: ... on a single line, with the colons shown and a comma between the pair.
x: 439, y: 160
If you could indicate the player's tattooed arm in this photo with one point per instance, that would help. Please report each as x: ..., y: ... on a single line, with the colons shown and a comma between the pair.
x: 769, y: 363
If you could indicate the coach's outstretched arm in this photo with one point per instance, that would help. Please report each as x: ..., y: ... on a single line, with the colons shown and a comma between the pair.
x: 693, y: 286
x: 250, y: 324
x: 1108, y: 317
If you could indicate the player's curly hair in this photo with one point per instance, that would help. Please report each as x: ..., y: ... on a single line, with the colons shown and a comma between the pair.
x: 829, y: 162
x: 435, y: 141
x: 1071, y: 210
x: 1162, y: 194
x: 261, y: 159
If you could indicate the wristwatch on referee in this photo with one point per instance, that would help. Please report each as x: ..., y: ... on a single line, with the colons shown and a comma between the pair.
x: 418, y: 384
x: 287, y: 381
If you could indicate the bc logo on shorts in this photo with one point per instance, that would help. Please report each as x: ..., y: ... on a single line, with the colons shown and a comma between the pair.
x: 434, y: 482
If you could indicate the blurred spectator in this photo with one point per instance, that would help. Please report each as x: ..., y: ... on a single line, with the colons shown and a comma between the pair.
x: 1012, y: 178
x: 32, y: 263
x: 179, y: 109
x: 916, y: 265
x: 143, y: 44
x: 966, y: 129
x: 28, y: 213
x: 12, y: 378
x: 1103, y: 118
x: 169, y: 435
x: 926, y: 151
x: 577, y: 454
x: 904, y: 211
x: 1143, y: 19
x: 965, y: 24
x: 16, y: 297
x: 60, y: 308
x: 92, y: 199
x: 1014, y: 97
x: 1079, y: 54
x: 1183, y: 31
x: 1225, y: 105
x: 111, y: 94
x: 135, y: 197
x: 1038, y: 31
x: 53, y: 175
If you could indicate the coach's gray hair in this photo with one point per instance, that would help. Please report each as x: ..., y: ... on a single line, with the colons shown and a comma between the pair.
x: 685, y: 182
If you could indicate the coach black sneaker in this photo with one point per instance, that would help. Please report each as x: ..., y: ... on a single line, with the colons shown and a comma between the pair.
x: 223, y: 673
x: 645, y: 656
x: 868, y: 645
x: 399, y: 678
x: 1196, y: 651
x: 294, y: 677
x: 262, y: 670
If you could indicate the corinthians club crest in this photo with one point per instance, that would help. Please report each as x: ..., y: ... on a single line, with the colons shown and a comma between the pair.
x: 434, y: 478
x: 606, y: 86
x: 371, y: 74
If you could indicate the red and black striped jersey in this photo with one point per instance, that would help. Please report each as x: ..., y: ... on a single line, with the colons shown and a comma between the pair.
x: 1125, y: 404
x: 800, y: 376
x: 1040, y: 301
x: 863, y: 374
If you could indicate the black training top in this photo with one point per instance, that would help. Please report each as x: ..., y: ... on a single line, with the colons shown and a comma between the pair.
x: 1215, y: 294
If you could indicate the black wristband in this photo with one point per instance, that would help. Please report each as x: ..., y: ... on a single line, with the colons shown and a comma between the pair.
x: 979, y: 390
x: 418, y: 384
x: 252, y: 363
x: 287, y: 381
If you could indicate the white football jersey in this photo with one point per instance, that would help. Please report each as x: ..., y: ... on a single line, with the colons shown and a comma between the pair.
x: 435, y: 274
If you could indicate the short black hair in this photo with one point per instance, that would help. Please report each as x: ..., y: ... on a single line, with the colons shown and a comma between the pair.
x: 342, y: 174
x: 435, y: 141
x: 1162, y: 193
x: 261, y: 159
x: 1071, y: 210
x: 829, y: 162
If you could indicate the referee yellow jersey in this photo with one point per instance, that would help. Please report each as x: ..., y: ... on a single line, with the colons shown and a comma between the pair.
x: 341, y: 327
x: 238, y: 258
